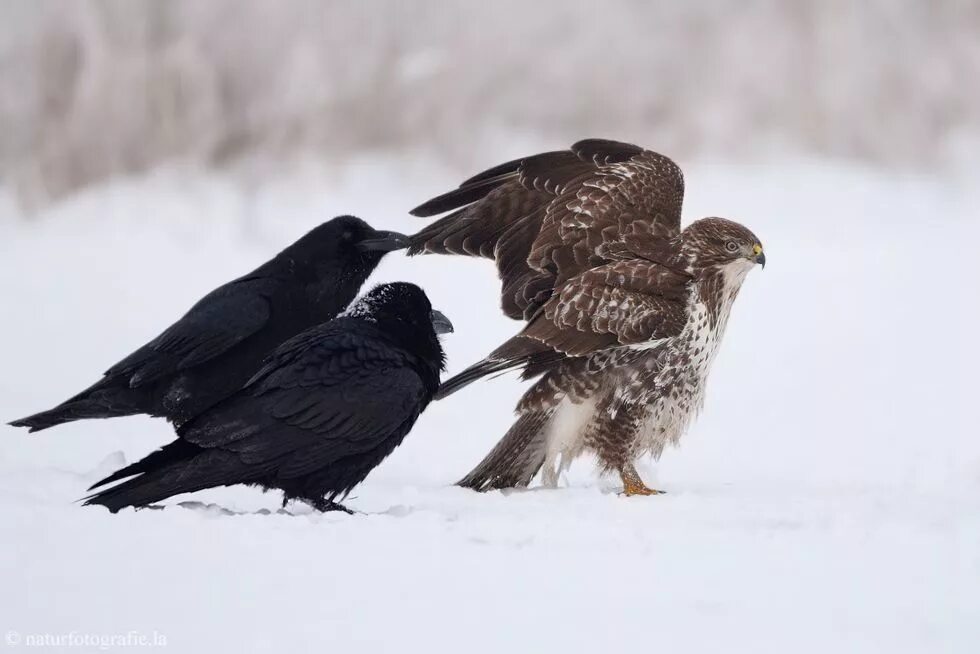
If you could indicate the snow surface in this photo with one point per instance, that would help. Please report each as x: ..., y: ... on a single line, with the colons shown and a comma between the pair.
x: 828, y: 499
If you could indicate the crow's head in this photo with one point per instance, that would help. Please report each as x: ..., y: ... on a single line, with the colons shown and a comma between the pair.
x: 346, y: 245
x: 403, y: 312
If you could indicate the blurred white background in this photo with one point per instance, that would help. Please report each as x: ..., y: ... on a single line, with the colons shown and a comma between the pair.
x: 827, y: 500
x: 95, y: 88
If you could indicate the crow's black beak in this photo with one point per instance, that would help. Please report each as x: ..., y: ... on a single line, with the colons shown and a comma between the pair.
x: 384, y: 242
x: 440, y: 323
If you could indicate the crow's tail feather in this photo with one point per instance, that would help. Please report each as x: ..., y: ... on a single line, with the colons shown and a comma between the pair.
x: 176, y: 468
x: 70, y: 412
x: 102, y: 400
x: 179, y: 450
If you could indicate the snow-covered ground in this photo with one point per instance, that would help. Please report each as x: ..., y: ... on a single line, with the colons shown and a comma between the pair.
x: 828, y: 499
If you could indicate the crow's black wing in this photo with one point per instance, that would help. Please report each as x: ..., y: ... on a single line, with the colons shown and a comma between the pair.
x: 220, y: 320
x: 328, y: 393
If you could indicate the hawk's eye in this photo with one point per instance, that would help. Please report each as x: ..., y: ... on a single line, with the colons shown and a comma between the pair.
x: 731, y: 246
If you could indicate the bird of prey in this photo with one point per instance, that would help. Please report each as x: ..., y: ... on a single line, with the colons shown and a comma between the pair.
x: 219, y: 344
x: 325, y: 409
x: 624, y: 309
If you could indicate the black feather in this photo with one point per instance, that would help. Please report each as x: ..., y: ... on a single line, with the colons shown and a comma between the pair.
x: 212, y: 350
x: 326, y: 408
x: 176, y: 451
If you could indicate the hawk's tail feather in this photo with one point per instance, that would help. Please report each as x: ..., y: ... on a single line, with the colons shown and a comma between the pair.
x: 516, y: 459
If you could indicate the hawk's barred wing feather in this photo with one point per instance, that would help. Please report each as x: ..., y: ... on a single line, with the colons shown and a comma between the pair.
x: 621, y: 303
x: 624, y: 303
x: 548, y: 217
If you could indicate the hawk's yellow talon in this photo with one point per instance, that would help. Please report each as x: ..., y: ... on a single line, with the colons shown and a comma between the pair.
x: 633, y: 485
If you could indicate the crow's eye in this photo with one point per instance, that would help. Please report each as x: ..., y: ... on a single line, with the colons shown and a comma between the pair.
x: 731, y: 246
x: 347, y: 235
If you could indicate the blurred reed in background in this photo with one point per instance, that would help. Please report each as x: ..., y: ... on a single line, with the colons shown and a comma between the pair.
x: 95, y: 88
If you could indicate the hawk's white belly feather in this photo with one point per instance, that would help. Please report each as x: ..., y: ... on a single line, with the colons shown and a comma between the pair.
x: 566, y: 437
x: 669, y: 415
x: 674, y: 395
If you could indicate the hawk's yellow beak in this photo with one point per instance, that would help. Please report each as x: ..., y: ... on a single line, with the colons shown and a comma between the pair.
x: 760, y: 256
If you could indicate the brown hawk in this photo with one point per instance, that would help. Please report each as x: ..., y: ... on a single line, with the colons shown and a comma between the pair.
x: 625, y: 310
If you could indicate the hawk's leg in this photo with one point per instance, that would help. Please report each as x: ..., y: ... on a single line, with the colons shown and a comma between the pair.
x: 632, y: 484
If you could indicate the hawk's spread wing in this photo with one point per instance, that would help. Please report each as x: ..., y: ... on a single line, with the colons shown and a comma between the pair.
x: 623, y: 303
x: 549, y: 217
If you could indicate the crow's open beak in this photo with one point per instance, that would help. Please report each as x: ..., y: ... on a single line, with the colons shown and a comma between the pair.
x: 440, y: 323
x: 384, y: 242
x: 760, y: 256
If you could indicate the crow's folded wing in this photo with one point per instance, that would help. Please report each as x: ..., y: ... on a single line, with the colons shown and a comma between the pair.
x: 219, y: 321
x: 323, y: 395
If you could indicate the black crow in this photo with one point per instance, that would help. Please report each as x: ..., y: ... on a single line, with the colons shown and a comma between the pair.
x: 325, y: 409
x: 220, y: 343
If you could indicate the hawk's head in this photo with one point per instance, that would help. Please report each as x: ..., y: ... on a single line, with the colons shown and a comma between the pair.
x: 716, y: 242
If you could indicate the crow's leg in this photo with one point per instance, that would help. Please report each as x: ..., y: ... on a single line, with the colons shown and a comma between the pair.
x: 323, y: 505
